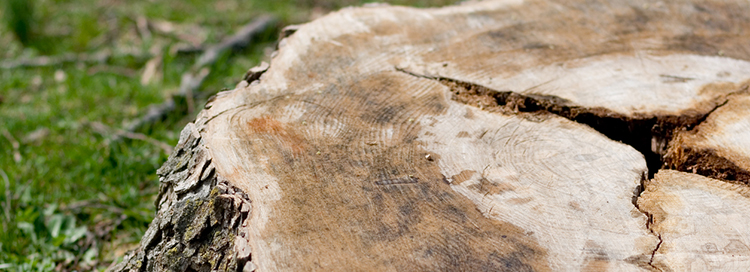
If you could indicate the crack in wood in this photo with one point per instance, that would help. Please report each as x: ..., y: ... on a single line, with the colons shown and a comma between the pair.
x: 648, y: 134
x: 656, y: 249
x: 705, y: 116
x: 671, y: 78
x: 649, y: 222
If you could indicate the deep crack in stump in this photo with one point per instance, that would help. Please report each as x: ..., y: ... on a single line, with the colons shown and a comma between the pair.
x: 652, y: 135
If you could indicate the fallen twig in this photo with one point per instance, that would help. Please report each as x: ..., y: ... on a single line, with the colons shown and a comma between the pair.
x: 190, y: 84
x: 154, y: 113
x: 101, y: 68
x: 193, y: 79
x: 44, y: 61
x: 150, y: 70
x: 193, y: 35
x: 237, y: 41
x: 94, y: 204
x: 185, y: 50
x: 54, y: 60
x: 7, y: 196
x: 119, y: 133
x: 7, y: 204
x: 141, y: 25
x: 13, y: 143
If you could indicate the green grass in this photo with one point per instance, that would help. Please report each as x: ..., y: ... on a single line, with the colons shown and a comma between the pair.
x: 71, y: 197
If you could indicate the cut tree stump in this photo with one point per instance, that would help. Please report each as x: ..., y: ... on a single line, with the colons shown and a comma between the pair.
x: 489, y: 136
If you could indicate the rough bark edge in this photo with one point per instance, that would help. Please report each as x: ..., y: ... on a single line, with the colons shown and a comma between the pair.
x: 200, y: 219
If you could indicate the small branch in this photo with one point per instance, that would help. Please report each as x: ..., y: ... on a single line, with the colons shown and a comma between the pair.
x: 13, y: 143
x: 52, y: 60
x: 190, y: 84
x: 139, y: 136
x: 237, y: 41
x: 154, y: 113
x: 92, y: 204
x: 119, y: 133
x: 44, y: 61
x: 192, y: 80
x: 190, y: 34
x: 142, y: 26
x: 101, y: 68
x: 7, y: 195
x: 189, y: 50
x: 150, y: 70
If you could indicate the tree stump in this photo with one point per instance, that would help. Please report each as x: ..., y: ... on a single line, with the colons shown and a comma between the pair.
x: 489, y: 136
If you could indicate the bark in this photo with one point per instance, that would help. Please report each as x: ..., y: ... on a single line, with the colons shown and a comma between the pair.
x: 198, y: 226
x: 487, y: 136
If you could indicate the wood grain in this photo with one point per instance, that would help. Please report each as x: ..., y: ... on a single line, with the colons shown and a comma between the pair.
x: 489, y: 136
x: 701, y: 221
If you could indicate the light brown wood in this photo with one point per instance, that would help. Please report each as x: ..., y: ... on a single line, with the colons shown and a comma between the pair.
x: 719, y: 146
x: 489, y: 136
x: 702, y: 222
x: 350, y: 176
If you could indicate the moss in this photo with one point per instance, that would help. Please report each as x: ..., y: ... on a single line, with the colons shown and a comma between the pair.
x: 189, y: 232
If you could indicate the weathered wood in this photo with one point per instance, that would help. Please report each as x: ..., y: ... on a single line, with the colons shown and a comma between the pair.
x: 720, y: 146
x: 475, y: 137
x: 702, y: 222
x: 345, y: 173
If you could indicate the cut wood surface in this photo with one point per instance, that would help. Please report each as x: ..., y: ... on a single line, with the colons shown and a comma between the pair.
x: 702, y: 222
x: 490, y: 136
